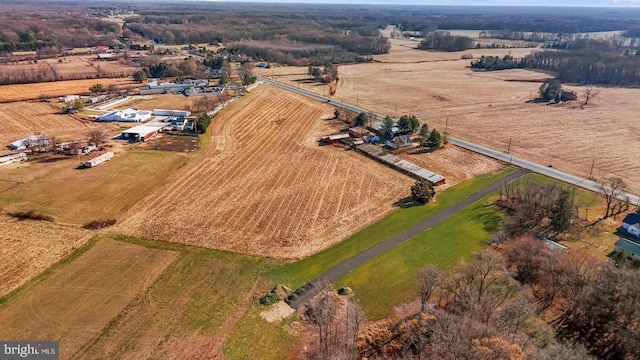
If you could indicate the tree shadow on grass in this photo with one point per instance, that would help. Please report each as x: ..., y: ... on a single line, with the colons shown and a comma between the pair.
x: 406, y: 202
x: 490, y: 218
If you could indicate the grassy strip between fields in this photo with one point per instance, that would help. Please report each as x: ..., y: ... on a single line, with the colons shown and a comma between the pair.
x: 297, y: 273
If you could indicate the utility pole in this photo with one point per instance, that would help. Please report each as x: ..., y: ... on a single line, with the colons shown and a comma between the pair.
x: 446, y: 126
x: 509, y: 147
x: 591, y: 171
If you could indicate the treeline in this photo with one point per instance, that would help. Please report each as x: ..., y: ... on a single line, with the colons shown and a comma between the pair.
x: 587, y: 66
x: 490, y: 63
x: 293, y: 52
x: 445, y: 42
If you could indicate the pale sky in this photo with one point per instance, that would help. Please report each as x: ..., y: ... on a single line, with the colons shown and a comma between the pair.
x: 601, y: 3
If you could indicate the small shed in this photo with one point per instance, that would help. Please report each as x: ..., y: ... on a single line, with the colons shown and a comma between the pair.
x: 140, y: 133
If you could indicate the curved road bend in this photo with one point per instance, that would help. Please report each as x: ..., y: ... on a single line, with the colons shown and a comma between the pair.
x: 540, y: 169
x: 312, y: 288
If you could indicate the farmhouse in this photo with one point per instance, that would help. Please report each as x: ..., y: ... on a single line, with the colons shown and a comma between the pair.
x: 126, y: 115
x: 140, y: 133
x: 178, y: 124
x: 166, y: 88
x: 8, y: 159
x: 399, y: 142
x: 100, y: 159
x: 629, y: 236
x: 403, y: 166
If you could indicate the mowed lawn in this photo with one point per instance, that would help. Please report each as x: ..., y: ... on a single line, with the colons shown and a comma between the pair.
x: 77, y: 196
x: 391, y: 278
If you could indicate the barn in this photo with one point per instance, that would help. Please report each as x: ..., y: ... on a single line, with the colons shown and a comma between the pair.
x: 126, y: 115
x: 140, y: 133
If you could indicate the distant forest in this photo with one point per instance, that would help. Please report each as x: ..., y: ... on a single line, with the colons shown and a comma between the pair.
x: 321, y: 34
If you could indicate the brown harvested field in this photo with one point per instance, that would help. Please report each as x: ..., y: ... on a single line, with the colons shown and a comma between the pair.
x: 22, y: 119
x: 454, y: 163
x: 264, y: 187
x: 76, y: 302
x: 29, y: 247
x: 54, y: 186
x: 161, y: 101
x: 22, y: 92
x: 490, y: 108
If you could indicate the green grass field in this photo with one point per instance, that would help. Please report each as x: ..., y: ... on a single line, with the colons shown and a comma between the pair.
x: 391, y: 278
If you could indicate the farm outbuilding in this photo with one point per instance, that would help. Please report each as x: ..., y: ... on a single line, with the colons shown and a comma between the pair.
x: 31, y: 141
x: 9, y: 159
x: 333, y: 139
x: 100, y: 159
x: 177, y: 113
x: 401, y: 165
x: 359, y: 131
x: 166, y: 88
x: 126, y: 115
x: 140, y: 133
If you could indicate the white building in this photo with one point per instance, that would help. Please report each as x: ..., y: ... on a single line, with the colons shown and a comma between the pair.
x: 140, y: 133
x: 8, y: 159
x: 31, y: 141
x: 126, y: 115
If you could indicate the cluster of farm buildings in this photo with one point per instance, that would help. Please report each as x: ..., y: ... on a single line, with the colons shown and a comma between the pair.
x: 363, y: 141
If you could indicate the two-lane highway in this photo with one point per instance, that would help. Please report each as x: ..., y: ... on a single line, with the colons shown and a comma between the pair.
x: 541, y: 169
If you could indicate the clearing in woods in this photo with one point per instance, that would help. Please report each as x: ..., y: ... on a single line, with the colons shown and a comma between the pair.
x: 78, y: 196
x: 77, y: 301
x: 264, y: 186
x: 493, y: 109
x: 29, y: 247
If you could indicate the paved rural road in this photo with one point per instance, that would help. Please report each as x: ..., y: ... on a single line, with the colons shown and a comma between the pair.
x: 312, y: 288
x: 541, y: 169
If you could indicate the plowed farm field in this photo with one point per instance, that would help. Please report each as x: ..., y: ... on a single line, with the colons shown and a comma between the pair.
x: 22, y: 92
x: 22, y: 119
x: 77, y: 301
x: 494, y: 109
x: 29, y: 247
x: 264, y: 187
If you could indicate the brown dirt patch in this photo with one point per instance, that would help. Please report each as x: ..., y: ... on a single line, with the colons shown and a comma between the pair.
x: 264, y: 186
x: 29, y: 247
x: 76, y: 302
x: 169, y: 142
